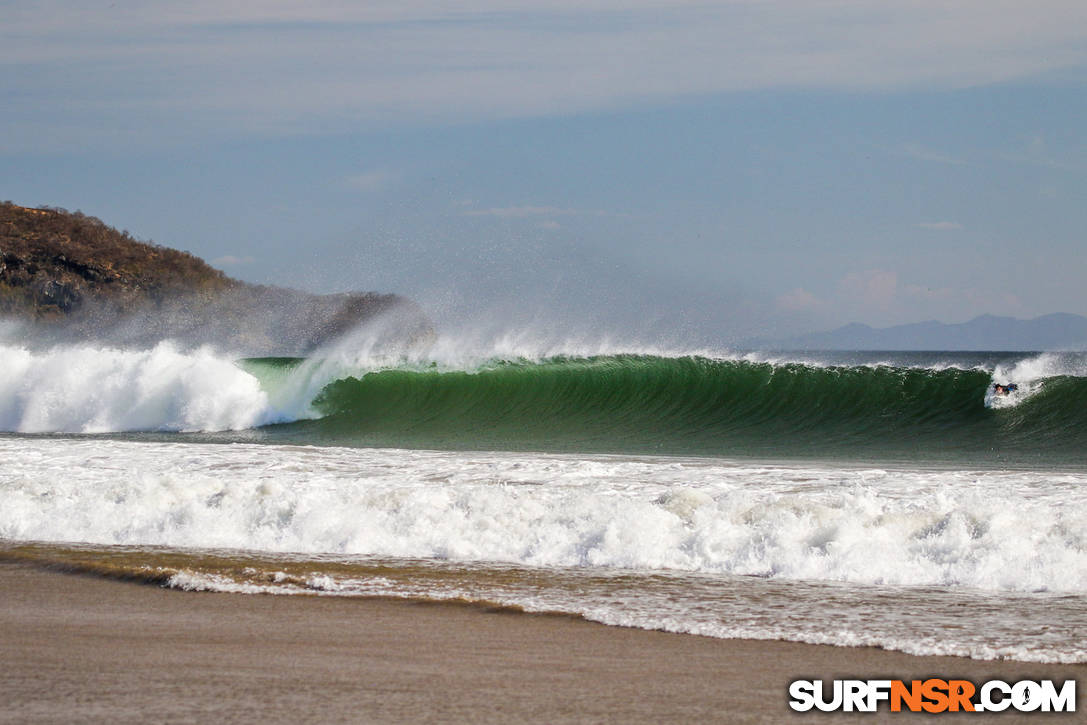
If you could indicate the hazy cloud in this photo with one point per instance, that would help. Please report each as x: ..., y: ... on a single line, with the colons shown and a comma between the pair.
x: 921, y: 153
x: 521, y: 212
x: 873, y: 288
x: 1036, y: 152
x: 230, y: 260
x: 799, y: 300
x: 370, y: 181
x: 148, y: 71
x: 941, y: 226
x: 880, y: 298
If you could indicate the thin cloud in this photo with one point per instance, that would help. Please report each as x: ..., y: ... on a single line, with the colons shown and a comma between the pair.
x: 521, y: 212
x: 230, y: 260
x: 920, y: 153
x: 879, y: 297
x: 370, y: 181
x: 872, y: 288
x: 1036, y: 152
x: 156, y: 74
x: 799, y: 300
x: 530, y: 211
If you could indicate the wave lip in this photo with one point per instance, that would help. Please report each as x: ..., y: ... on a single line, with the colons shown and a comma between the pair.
x: 86, y: 389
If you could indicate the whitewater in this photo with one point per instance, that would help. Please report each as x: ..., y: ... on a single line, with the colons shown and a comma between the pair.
x: 850, y: 499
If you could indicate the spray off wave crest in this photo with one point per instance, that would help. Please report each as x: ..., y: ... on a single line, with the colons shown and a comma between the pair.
x: 169, y: 387
x: 514, y: 394
x: 88, y: 389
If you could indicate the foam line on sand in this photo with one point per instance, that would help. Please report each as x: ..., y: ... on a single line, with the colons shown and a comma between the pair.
x: 80, y: 648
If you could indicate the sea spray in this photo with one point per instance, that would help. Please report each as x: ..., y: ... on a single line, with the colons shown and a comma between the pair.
x: 90, y: 389
x: 885, y: 407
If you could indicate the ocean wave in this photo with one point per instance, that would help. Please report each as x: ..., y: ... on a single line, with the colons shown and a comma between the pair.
x: 988, y: 530
x: 89, y: 389
x: 680, y: 404
x: 693, y: 405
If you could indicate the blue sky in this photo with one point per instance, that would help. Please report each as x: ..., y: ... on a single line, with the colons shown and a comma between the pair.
x: 702, y: 171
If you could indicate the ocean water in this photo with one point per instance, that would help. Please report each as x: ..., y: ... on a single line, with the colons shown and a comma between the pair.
x: 843, y: 498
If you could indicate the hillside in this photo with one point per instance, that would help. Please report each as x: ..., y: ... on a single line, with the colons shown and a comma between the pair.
x: 72, y: 276
x: 52, y: 261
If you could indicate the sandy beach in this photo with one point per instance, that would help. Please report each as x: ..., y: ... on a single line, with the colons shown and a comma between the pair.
x: 78, y: 648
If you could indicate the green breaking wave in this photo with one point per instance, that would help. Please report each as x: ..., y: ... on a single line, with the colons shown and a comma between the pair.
x: 693, y: 406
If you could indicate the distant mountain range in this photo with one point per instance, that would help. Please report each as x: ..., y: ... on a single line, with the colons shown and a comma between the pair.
x: 1059, y: 331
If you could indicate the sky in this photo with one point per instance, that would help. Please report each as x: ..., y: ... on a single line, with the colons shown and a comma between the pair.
x: 677, y: 170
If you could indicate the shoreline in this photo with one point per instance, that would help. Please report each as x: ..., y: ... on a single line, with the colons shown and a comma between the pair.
x: 84, y: 648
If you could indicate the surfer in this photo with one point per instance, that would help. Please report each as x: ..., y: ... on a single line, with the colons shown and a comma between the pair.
x: 1004, y: 389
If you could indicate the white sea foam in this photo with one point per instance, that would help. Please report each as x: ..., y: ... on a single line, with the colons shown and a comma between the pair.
x: 1027, y: 627
x: 823, y: 554
x: 1029, y: 375
x: 991, y: 530
x: 88, y: 389
x: 1044, y: 365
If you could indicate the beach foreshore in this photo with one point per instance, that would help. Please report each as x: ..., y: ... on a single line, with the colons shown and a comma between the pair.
x: 78, y: 648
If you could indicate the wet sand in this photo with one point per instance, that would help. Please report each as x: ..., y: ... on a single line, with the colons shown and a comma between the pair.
x: 76, y: 648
